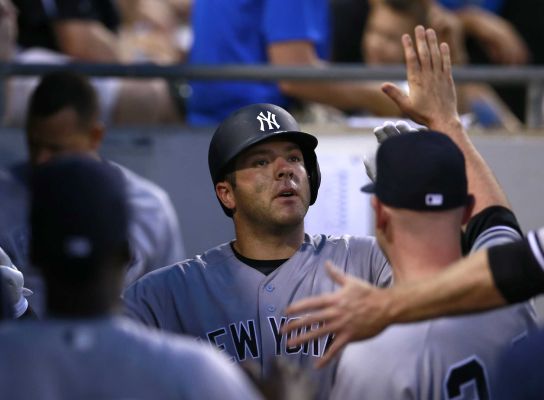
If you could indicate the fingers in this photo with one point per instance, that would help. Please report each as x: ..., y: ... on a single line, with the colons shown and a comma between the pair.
x: 410, y: 56
x: 404, y: 127
x: 336, y: 275
x: 308, y: 336
x: 380, y: 131
x: 391, y: 129
x: 434, y: 50
x: 310, y: 304
x: 446, y: 58
x: 309, y: 320
x: 423, y: 48
x: 4, y: 258
x: 337, y: 345
x: 397, y: 95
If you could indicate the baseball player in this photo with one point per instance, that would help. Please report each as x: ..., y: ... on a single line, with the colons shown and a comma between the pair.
x: 420, y: 204
x: 266, y: 174
x: 84, y: 350
x: 63, y: 119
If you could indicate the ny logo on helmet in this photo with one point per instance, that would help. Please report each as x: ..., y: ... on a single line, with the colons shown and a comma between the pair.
x: 270, y: 119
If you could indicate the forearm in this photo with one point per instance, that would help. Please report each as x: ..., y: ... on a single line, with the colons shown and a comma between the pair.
x: 351, y: 96
x: 87, y: 41
x: 481, y: 180
x: 482, y: 93
x: 467, y: 286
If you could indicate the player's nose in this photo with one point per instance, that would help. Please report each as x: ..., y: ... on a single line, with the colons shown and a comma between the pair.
x: 283, y: 168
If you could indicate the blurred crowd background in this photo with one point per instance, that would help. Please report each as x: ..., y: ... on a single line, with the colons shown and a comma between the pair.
x: 291, y: 33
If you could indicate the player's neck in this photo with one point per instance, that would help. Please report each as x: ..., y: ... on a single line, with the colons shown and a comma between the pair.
x: 261, y: 244
x: 414, y: 259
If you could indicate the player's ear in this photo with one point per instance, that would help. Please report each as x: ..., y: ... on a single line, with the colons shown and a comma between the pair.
x: 469, y: 208
x: 380, y: 214
x: 224, y: 192
x: 97, y: 134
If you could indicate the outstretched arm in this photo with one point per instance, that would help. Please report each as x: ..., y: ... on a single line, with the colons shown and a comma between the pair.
x: 433, y: 102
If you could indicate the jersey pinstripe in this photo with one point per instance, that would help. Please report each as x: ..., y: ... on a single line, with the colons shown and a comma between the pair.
x: 536, y: 242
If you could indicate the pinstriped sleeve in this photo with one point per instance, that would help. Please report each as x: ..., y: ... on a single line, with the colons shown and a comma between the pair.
x: 518, y: 268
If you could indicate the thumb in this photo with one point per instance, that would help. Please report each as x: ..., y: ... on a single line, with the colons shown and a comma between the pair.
x: 397, y: 95
x: 335, y: 274
x: 369, y: 162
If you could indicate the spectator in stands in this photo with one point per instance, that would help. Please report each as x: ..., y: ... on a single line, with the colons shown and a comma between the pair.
x: 152, y: 29
x: 503, y: 32
x: 60, y: 31
x: 63, y: 119
x: 279, y: 32
x: 388, y: 20
x: 497, y: 37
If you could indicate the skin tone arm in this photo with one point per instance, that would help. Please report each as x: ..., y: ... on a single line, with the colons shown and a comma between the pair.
x: 500, y: 40
x: 343, y: 95
x: 87, y: 41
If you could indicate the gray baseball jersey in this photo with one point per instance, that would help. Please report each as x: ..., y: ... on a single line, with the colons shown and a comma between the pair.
x: 224, y: 302
x: 155, y: 236
x: 446, y: 358
x: 111, y: 358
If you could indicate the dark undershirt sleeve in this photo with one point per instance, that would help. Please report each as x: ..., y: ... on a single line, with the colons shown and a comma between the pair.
x: 518, y: 268
x: 486, y: 220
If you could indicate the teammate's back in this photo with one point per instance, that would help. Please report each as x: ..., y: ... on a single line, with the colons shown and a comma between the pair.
x: 445, y: 358
x: 110, y: 358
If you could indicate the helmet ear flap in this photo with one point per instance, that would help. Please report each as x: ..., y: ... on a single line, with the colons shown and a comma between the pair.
x: 314, y: 176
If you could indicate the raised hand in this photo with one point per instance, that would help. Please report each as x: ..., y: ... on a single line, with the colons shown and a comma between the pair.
x: 432, y: 100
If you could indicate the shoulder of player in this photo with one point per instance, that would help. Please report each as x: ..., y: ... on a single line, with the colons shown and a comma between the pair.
x: 401, y: 342
x: 141, y: 189
x: 503, y: 325
x: 319, y: 241
x: 199, y: 265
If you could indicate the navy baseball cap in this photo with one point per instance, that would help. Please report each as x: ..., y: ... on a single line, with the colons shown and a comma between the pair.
x: 421, y: 171
x: 79, y: 214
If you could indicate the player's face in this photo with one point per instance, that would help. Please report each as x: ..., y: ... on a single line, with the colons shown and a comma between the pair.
x: 272, y: 187
x: 59, y: 134
x: 381, y: 42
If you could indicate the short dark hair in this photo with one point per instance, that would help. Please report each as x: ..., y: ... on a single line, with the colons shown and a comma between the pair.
x: 415, y: 8
x: 59, y: 90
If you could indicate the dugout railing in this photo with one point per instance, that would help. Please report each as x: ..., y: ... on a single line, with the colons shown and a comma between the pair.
x: 530, y: 77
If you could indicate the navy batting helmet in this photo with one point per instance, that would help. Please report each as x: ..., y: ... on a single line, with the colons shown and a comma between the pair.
x: 251, y: 125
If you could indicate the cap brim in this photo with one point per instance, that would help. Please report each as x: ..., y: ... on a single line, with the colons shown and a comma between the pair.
x: 369, y: 188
